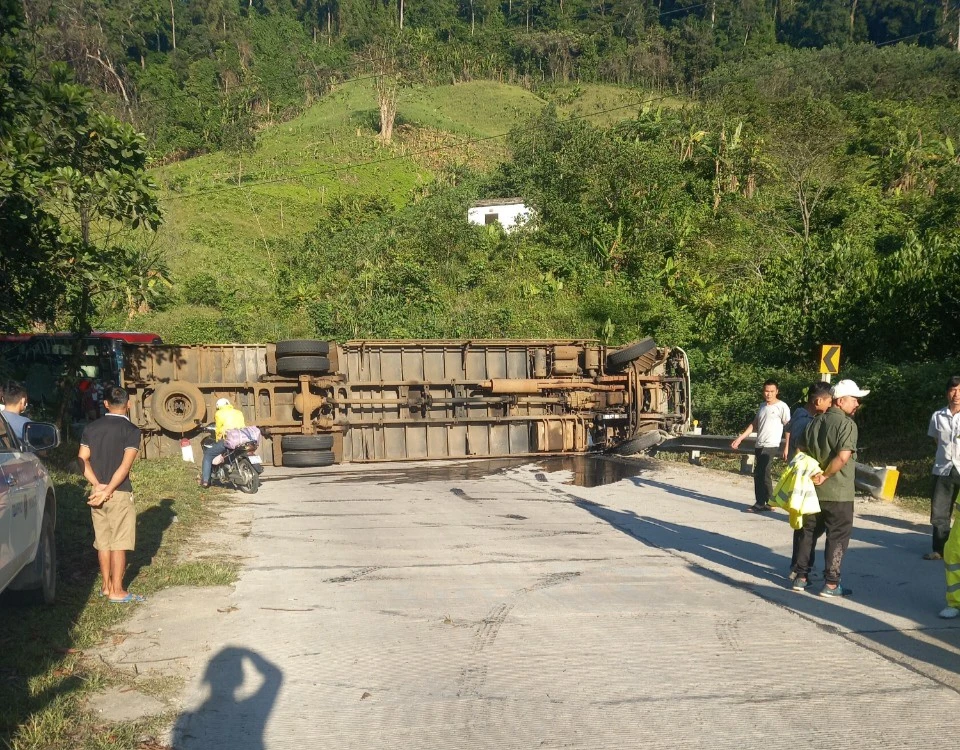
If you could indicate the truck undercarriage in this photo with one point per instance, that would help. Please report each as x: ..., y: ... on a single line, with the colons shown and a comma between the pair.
x: 322, y: 403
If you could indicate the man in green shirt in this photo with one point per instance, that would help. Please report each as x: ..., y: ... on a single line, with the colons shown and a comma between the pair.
x: 831, y: 438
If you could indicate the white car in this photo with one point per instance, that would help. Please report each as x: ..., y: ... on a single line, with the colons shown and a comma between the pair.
x: 28, y: 511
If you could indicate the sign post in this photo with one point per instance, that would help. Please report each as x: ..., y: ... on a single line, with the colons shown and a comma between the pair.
x: 829, y: 361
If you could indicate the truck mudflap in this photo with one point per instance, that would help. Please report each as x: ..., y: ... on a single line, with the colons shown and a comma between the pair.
x: 416, y: 399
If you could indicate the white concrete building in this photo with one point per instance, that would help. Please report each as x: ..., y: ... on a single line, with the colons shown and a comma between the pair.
x: 507, y: 212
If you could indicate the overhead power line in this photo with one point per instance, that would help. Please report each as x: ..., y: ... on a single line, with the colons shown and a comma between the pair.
x: 444, y: 147
x: 359, y: 63
x: 905, y: 37
x: 682, y: 10
x: 471, y: 141
x: 186, y: 94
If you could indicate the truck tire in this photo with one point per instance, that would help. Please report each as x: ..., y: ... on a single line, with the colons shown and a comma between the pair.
x: 622, y: 357
x: 640, y: 443
x: 307, y: 347
x: 306, y: 442
x: 308, y: 459
x: 294, y: 365
x: 177, y: 406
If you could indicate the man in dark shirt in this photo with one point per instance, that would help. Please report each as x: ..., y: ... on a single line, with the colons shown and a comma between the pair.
x: 108, y: 449
x: 819, y: 399
x: 831, y: 438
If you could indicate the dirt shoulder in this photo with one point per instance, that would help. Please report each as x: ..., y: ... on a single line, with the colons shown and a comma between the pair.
x: 156, y: 651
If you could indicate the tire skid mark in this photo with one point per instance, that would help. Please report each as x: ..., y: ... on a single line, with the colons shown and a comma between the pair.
x: 473, y: 675
x: 728, y: 633
x: 354, y: 576
x: 553, y: 579
x: 462, y: 494
x: 490, y: 626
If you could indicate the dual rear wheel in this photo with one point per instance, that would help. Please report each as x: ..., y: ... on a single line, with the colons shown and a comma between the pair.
x: 307, y: 451
x: 308, y: 356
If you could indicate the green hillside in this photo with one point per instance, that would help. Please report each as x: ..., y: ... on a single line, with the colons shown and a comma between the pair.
x: 807, y: 191
x: 215, y: 225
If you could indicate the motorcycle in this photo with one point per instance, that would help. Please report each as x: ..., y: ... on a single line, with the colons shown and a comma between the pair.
x: 239, y: 466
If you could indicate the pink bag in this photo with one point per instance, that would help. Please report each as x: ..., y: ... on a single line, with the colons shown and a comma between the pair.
x: 238, y: 436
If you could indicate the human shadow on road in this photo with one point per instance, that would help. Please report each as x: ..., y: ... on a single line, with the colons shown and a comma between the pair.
x: 747, y: 557
x: 898, y: 523
x: 151, y: 525
x: 886, y: 572
x: 672, y: 489
x: 235, y: 713
x: 918, y: 536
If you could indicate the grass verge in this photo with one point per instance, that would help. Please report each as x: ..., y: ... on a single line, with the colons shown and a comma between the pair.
x: 44, y: 679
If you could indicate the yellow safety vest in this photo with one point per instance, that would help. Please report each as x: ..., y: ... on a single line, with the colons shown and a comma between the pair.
x: 796, y: 492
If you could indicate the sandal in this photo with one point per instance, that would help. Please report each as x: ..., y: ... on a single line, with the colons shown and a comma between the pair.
x: 129, y: 599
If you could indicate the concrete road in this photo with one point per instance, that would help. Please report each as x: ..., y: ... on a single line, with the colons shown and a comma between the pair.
x: 434, y: 607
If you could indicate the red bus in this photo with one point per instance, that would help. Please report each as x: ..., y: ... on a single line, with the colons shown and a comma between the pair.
x: 40, y: 360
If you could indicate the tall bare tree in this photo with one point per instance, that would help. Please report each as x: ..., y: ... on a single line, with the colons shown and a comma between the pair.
x: 385, y: 54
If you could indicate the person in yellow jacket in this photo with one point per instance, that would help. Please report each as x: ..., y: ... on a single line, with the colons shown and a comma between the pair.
x: 951, y: 560
x: 227, y: 418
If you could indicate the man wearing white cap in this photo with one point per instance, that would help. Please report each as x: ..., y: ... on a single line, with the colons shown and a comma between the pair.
x: 831, y: 438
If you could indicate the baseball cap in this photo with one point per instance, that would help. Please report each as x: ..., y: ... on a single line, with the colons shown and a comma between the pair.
x: 848, y: 388
x: 221, y: 402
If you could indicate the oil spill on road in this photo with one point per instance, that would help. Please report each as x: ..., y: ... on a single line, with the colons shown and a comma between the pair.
x: 596, y: 471
x: 586, y: 471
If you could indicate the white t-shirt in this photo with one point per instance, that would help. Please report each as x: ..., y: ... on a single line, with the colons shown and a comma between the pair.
x: 945, y: 427
x: 769, y: 424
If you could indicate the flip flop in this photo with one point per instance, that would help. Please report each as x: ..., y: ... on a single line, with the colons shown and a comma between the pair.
x: 129, y: 599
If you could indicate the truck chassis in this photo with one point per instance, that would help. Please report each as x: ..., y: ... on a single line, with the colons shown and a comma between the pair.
x: 321, y: 403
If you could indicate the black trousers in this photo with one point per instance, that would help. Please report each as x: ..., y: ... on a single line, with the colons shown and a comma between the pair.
x: 762, y: 481
x: 836, y: 520
x: 944, y: 497
x: 797, y: 536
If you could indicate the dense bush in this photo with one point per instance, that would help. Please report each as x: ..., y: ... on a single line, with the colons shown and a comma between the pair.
x: 189, y: 73
x: 191, y: 325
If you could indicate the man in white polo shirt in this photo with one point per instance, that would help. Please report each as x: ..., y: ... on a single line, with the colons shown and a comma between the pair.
x: 945, y: 429
x: 772, y: 415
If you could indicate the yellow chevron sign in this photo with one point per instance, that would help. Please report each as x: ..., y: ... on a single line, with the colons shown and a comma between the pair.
x: 829, y: 359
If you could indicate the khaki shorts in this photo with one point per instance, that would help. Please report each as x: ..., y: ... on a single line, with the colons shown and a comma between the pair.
x: 115, y: 523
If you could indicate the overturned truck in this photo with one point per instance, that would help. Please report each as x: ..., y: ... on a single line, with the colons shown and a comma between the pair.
x: 321, y: 403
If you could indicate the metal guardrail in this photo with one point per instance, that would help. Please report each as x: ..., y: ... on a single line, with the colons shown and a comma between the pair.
x: 877, y: 481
